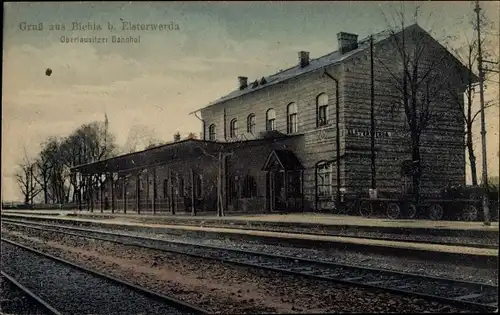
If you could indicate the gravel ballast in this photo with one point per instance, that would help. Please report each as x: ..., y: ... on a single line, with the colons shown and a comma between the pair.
x: 72, y: 291
x: 15, y: 301
x: 221, y: 287
x: 371, y: 260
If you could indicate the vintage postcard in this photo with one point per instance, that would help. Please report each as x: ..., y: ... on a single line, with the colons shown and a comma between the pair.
x: 250, y: 157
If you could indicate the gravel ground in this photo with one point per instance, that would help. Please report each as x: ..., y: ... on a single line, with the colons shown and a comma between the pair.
x: 323, y: 231
x: 393, y: 263
x: 72, y: 291
x: 221, y: 287
x: 14, y: 301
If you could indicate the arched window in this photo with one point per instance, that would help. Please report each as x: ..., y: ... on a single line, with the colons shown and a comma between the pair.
x: 165, y: 188
x: 251, y: 124
x: 291, y: 124
x: 322, y: 108
x: 249, y: 187
x: 324, y: 179
x: 211, y: 132
x: 270, y: 120
x: 233, y: 128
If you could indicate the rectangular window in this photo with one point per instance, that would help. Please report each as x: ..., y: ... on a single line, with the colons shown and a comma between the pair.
x: 323, y: 115
x: 270, y: 125
x: 324, y: 179
x: 292, y: 123
x: 294, y: 184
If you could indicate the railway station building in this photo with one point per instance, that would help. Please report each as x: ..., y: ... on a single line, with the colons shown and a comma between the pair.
x: 294, y: 140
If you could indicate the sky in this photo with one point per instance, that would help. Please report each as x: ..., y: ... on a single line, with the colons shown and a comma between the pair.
x: 195, y: 59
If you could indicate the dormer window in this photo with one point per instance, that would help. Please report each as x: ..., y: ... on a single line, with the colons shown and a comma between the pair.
x: 251, y: 124
x: 233, y: 128
x: 322, y: 107
x: 270, y: 120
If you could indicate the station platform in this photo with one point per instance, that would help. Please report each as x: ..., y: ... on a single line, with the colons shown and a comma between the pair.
x: 281, y: 220
x: 473, y: 255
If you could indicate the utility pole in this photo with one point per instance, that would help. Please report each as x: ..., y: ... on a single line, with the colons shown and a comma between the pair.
x: 372, y: 116
x: 477, y: 9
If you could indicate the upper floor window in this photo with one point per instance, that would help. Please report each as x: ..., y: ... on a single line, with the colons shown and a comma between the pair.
x: 324, y: 179
x: 291, y: 118
x: 270, y: 120
x: 211, y: 132
x: 233, y: 128
x: 322, y: 107
x: 251, y: 124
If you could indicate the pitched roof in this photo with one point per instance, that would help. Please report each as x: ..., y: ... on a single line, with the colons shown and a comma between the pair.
x: 286, y: 159
x: 314, y: 64
x: 318, y: 63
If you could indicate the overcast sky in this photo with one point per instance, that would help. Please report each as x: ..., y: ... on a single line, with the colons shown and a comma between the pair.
x: 170, y: 73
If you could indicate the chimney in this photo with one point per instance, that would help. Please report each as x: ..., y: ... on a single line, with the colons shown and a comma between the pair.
x: 303, y: 58
x: 243, y: 82
x: 347, y: 42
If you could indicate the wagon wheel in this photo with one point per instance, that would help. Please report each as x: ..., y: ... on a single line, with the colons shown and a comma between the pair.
x: 366, y: 209
x: 349, y: 207
x: 435, y: 212
x: 411, y: 210
x: 469, y: 213
x: 393, y: 210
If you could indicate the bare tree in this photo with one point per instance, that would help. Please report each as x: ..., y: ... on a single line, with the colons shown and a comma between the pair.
x: 141, y: 137
x: 25, y: 179
x: 419, y: 81
x: 177, y: 136
x: 468, y: 56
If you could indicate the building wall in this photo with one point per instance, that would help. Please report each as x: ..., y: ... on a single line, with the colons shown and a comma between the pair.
x: 442, y: 149
x: 318, y: 143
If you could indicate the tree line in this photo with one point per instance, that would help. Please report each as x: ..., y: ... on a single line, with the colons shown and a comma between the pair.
x: 47, y: 179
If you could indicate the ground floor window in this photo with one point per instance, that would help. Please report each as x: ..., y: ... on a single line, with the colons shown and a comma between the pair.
x: 249, y: 187
x: 294, y: 184
x: 324, y: 179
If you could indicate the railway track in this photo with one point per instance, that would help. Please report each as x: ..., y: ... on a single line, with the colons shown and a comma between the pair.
x: 469, y: 295
x: 74, y: 289
x: 37, y: 304
x: 366, y: 235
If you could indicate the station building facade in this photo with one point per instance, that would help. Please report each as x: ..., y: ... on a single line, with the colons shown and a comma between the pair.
x: 294, y: 140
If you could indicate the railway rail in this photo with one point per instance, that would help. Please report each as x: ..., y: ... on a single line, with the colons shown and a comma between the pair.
x: 449, y: 241
x: 469, y: 295
x: 74, y: 289
x: 42, y: 306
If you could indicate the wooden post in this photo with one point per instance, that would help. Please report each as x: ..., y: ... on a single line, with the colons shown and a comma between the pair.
x: 124, y: 190
x: 79, y: 192
x: 147, y: 191
x: 101, y: 193
x: 225, y: 185
x: 154, y: 190
x: 87, y: 192
x: 302, y: 188
x: 172, y: 197
x: 138, y: 194
x: 193, y: 183
x: 92, y: 193
x: 112, y: 193
x: 219, y: 186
